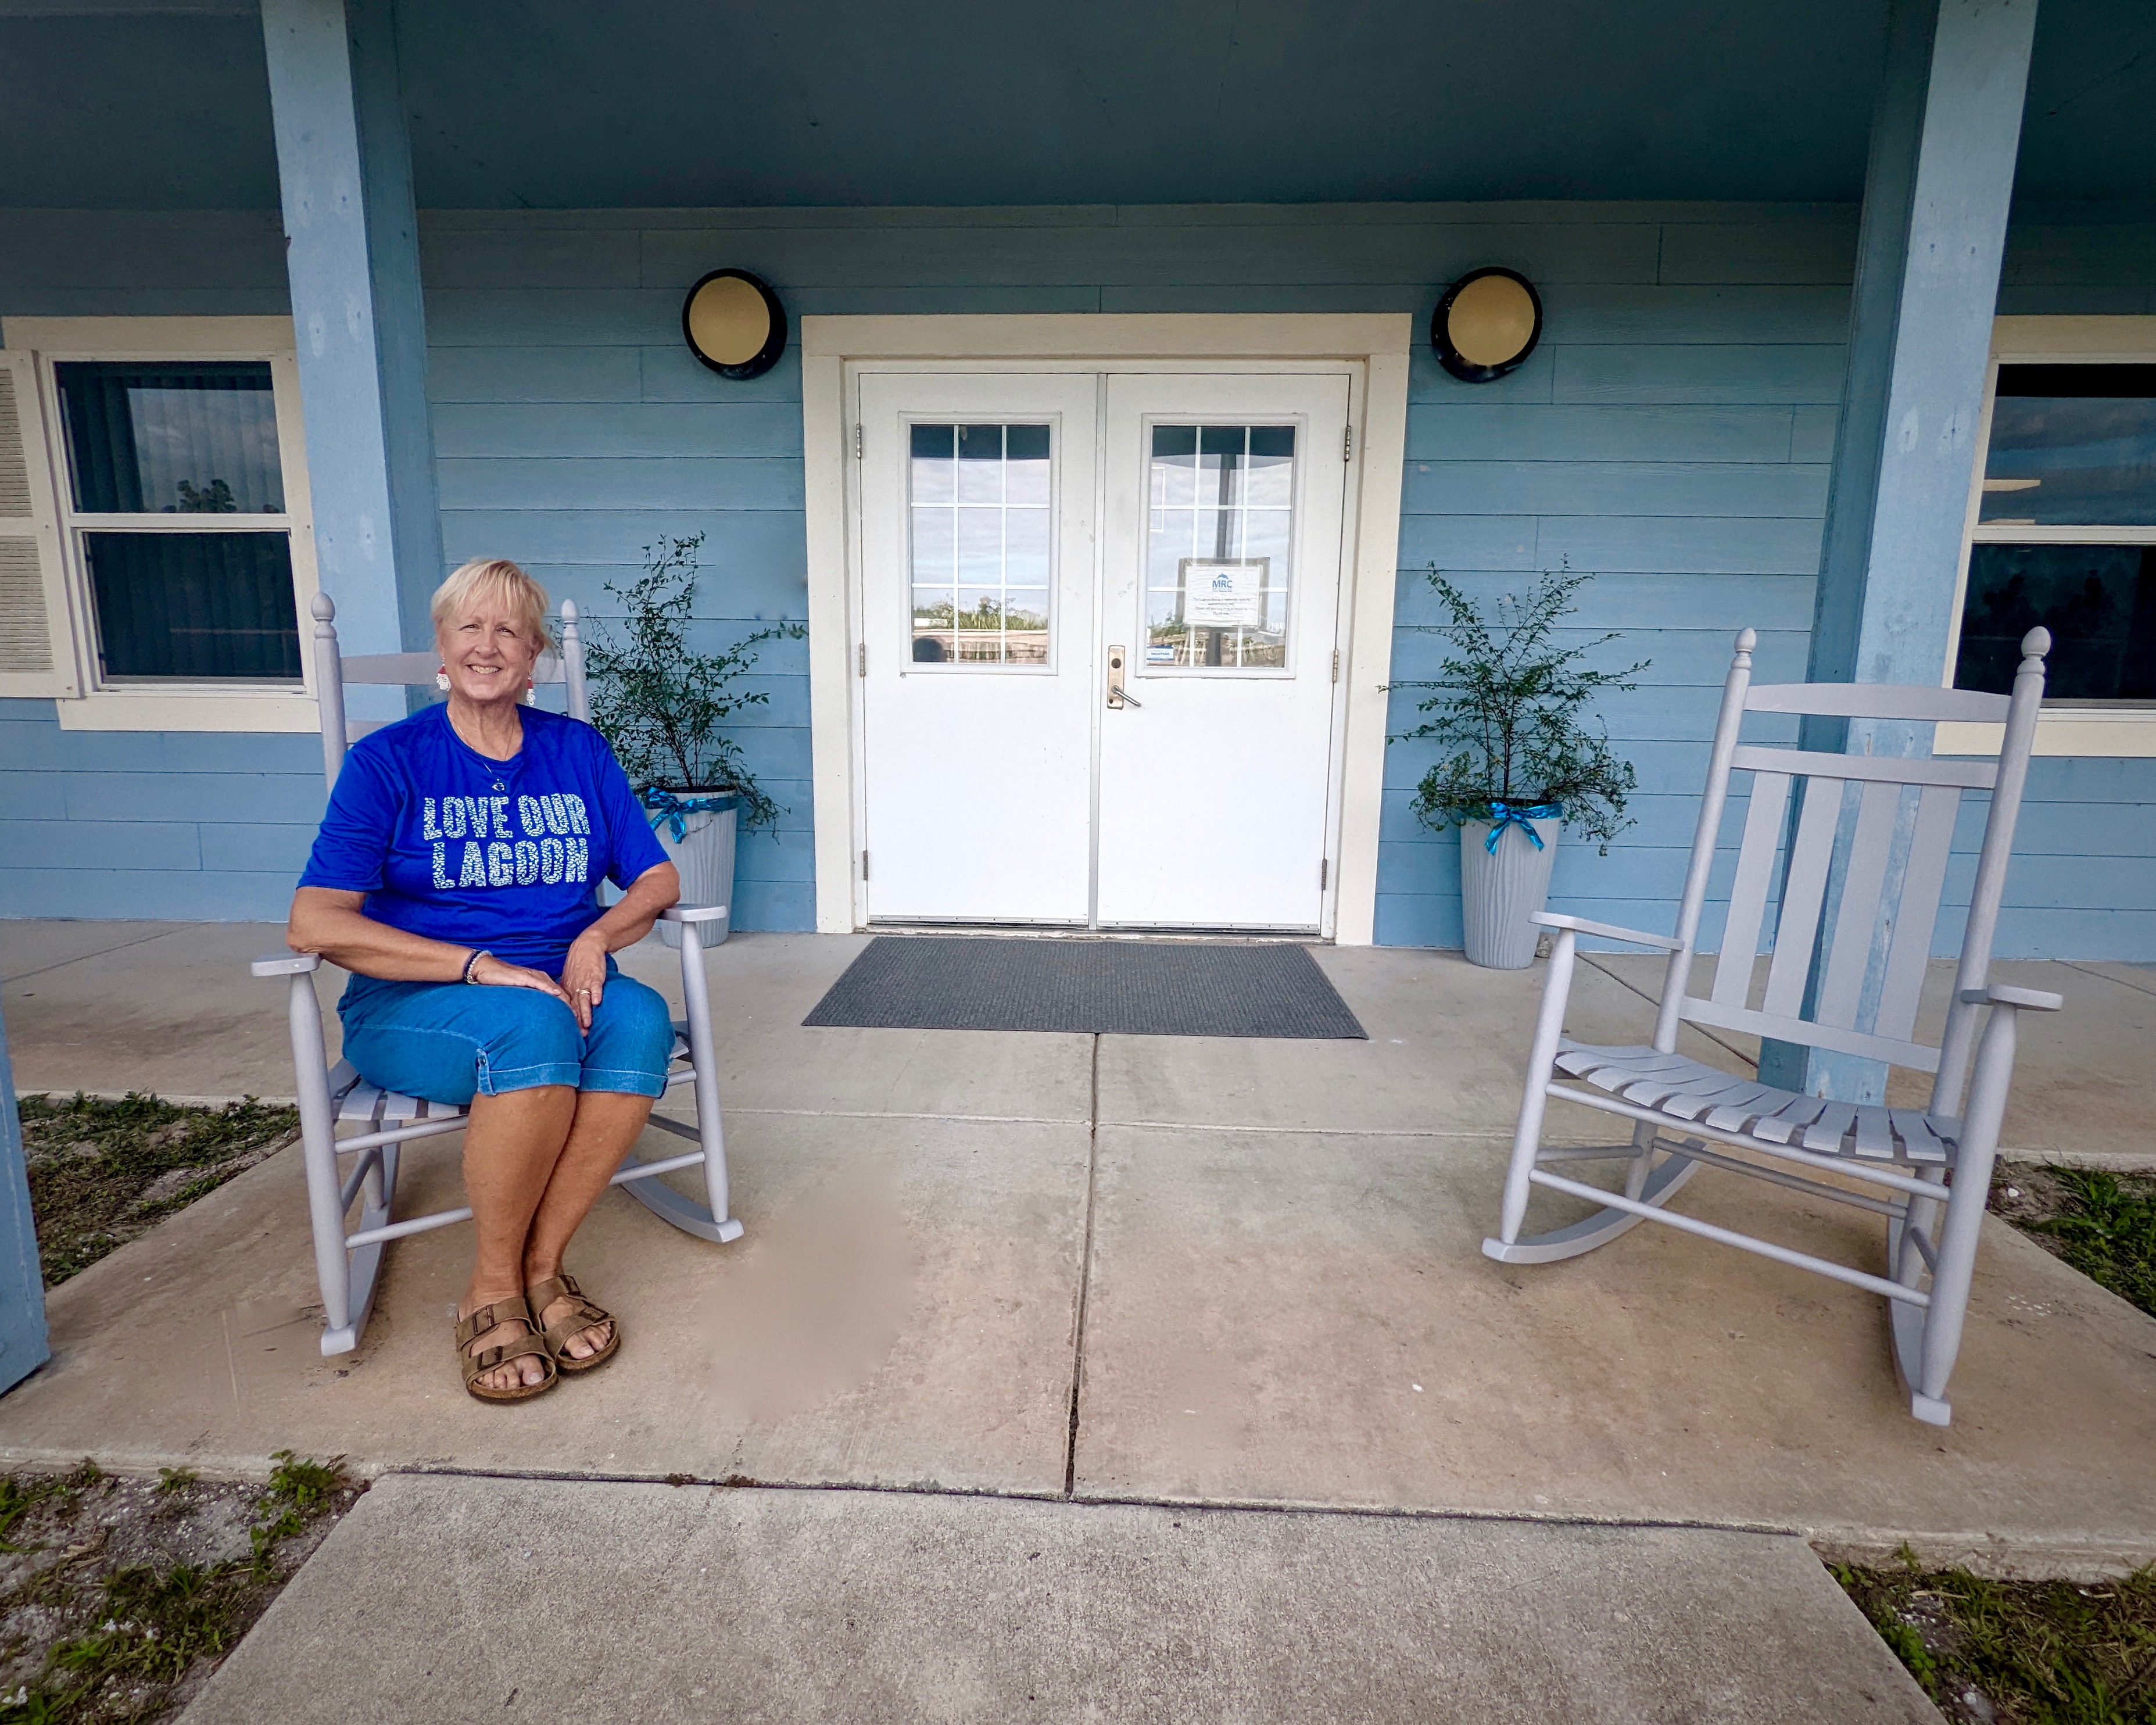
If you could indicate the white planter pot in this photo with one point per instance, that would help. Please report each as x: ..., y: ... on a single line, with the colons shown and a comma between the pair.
x: 705, y: 856
x: 1499, y: 891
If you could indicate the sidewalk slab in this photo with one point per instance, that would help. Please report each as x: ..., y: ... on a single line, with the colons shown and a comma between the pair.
x: 1283, y: 1318
x: 1447, y: 1042
x: 177, y: 1013
x: 901, y: 1311
x: 443, y: 1599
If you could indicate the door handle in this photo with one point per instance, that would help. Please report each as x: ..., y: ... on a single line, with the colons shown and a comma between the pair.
x: 1119, y: 696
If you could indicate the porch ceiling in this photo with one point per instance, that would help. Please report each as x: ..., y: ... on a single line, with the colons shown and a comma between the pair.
x: 559, y: 103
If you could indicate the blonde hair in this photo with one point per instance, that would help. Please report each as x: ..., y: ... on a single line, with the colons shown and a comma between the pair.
x: 485, y: 579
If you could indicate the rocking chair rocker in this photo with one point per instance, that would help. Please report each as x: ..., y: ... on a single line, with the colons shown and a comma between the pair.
x: 348, y: 1265
x: 1931, y: 1167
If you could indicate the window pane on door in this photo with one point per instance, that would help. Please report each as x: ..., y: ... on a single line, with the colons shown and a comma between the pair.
x: 172, y: 439
x: 1219, y: 545
x: 194, y: 605
x: 979, y: 501
x: 2098, y: 600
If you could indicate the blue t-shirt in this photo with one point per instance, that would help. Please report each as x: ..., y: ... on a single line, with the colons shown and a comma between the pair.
x: 504, y: 854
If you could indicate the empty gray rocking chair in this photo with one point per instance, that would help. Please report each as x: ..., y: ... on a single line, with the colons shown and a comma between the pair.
x: 348, y: 1265
x: 1930, y: 1167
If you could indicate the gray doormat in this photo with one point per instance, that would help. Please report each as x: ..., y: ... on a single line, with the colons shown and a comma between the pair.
x: 1121, y: 988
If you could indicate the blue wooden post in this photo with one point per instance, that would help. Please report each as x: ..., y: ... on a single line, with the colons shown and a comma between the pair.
x: 22, y: 1344
x: 1944, y: 137
x: 344, y: 170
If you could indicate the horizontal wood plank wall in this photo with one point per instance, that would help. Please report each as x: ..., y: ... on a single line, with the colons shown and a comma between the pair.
x: 1671, y: 437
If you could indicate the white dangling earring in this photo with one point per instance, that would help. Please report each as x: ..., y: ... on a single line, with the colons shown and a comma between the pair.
x: 531, y: 695
x: 442, y: 680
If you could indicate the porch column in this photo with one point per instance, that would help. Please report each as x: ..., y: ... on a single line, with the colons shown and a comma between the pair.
x: 1945, y: 136
x: 344, y: 170
x: 23, y: 1347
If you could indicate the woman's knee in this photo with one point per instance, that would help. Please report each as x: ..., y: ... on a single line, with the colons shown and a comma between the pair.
x: 530, y: 1030
x: 631, y: 1042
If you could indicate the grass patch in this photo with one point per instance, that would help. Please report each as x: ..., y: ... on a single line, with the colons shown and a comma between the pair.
x: 2018, y: 1652
x: 120, y: 1596
x: 102, y: 1172
x: 2104, y: 1224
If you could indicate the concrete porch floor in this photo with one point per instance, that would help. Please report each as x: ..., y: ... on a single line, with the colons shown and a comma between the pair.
x: 1166, y: 1270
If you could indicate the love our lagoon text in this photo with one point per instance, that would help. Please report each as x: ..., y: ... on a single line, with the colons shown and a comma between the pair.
x: 549, y: 842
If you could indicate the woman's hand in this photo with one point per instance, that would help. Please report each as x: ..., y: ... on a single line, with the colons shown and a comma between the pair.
x: 583, y: 974
x: 494, y: 973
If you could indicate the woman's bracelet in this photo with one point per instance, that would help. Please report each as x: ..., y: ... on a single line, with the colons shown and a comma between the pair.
x: 472, y: 963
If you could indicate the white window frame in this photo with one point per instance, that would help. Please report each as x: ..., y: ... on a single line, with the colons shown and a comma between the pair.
x: 2078, y: 730
x: 192, y: 704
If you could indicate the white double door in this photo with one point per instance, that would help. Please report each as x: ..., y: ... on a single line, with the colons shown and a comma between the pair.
x: 1097, y: 620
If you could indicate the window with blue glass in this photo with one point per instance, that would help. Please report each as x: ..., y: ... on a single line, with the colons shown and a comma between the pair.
x: 178, y: 509
x: 2066, y: 535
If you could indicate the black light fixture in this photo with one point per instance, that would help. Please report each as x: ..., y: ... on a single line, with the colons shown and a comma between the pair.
x: 1487, y: 323
x: 734, y: 324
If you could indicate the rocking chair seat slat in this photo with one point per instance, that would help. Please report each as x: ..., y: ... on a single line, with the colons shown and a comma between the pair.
x: 1689, y: 1089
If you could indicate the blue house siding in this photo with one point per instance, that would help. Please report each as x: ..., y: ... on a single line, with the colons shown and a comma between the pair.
x: 1671, y: 436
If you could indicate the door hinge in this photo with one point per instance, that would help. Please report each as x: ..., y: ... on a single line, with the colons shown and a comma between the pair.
x: 864, y: 865
x: 1346, y: 443
x: 861, y: 653
x: 1336, y: 665
x: 1324, y: 868
x: 857, y: 442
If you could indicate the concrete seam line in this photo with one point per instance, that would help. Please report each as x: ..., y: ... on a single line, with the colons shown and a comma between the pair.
x: 84, y: 957
x: 1998, y: 1549
x: 2120, y: 981
x: 1084, y: 1278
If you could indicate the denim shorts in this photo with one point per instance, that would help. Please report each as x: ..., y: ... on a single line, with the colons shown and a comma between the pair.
x: 448, y: 1041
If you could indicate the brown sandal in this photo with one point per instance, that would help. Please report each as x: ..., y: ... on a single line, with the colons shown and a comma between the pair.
x: 528, y: 1345
x: 583, y: 1316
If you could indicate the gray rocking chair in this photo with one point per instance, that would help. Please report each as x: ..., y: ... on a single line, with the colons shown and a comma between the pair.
x: 1933, y: 1166
x: 348, y: 1265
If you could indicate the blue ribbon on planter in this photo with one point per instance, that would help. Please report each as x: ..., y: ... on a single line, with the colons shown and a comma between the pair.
x: 674, y: 812
x: 1523, y: 815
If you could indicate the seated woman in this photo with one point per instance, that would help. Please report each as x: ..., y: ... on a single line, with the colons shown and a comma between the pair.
x: 456, y: 876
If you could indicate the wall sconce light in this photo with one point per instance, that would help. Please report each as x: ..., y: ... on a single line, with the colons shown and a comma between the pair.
x: 734, y: 324
x: 1487, y: 323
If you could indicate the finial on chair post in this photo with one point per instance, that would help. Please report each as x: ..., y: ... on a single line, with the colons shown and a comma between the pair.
x: 1746, y: 640
x: 2035, y: 646
x: 323, y: 608
x: 572, y: 664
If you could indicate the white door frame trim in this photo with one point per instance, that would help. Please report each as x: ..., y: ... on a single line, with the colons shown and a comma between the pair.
x: 1379, y: 342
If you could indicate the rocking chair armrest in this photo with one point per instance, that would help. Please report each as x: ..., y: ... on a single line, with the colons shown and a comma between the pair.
x: 1606, y: 931
x: 692, y: 913
x: 285, y: 964
x: 2030, y: 999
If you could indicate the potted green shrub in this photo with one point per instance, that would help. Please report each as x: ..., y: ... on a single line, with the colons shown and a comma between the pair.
x: 1527, y: 758
x: 668, y: 712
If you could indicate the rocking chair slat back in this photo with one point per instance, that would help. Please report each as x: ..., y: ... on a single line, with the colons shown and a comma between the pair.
x: 1804, y: 892
x: 1748, y: 894
x: 1841, y: 989
x: 1923, y: 880
x: 1865, y: 869
x: 1878, y: 700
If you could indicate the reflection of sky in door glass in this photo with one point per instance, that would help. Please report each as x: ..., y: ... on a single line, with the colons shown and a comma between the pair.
x: 1220, y: 511
x: 2073, y: 446
x: 978, y: 496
